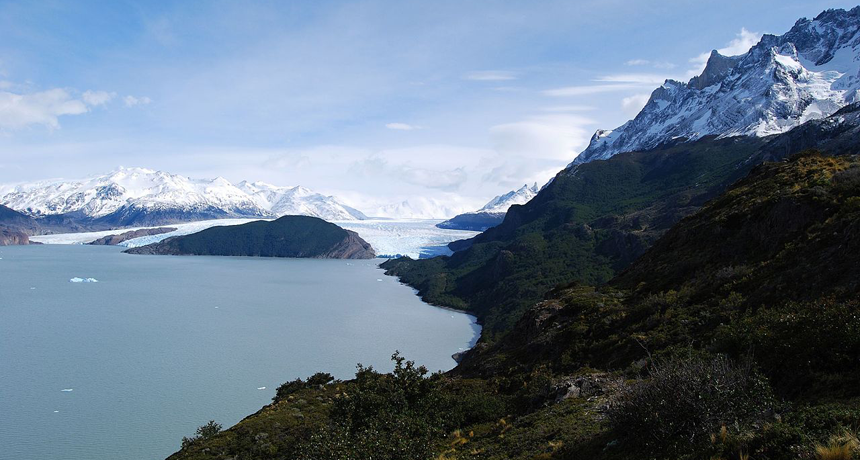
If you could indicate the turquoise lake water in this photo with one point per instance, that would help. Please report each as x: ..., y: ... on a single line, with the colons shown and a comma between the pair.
x: 162, y: 344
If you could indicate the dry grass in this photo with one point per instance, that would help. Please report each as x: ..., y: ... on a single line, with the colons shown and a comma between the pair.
x: 840, y: 447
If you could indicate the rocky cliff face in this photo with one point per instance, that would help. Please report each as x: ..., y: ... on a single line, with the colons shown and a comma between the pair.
x: 13, y: 238
x: 783, y: 81
x: 113, y: 240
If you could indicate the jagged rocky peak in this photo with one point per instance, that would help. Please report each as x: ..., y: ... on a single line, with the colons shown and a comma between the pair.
x: 808, y: 73
x: 717, y: 68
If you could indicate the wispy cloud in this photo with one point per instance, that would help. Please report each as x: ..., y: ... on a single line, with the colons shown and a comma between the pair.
x: 131, y: 101
x: 97, y: 97
x: 490, y: 75
x: 636, y: 78
x: 401, y: 126
x: 569, y: 91
x: 567, y: 108
x: 646, y: 62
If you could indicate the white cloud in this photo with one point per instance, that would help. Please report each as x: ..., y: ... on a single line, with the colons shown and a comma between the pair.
x: 633, y: 104
x: 742, y: 43
x: 401, y: 126
x: 434, y: 178
x: 637, y: 78
x: 557, y: 137
x: 569, y: 91
x: 94, y: 98
x: 567, y: 108
x: 131, y: 101
x: 646, y: 62
x: 634, y: 62
x: 490, y: 75
x: 18, y: 111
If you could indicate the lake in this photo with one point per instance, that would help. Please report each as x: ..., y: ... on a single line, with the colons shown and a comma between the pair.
x: 124, y: 367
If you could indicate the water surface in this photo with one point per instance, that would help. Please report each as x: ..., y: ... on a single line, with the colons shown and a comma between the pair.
x: 162, y: 344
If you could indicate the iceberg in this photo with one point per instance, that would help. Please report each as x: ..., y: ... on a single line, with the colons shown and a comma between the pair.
x: 83, y: 280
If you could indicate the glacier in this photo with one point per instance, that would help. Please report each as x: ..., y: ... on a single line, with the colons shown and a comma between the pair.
x: 415, y: 238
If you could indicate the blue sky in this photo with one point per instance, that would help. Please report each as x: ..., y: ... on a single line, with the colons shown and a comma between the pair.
x: 438, y: 102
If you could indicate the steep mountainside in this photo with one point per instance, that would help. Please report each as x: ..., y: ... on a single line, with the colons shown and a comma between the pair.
x: 782, y: 82
x: 493, y: 213
x: 137, y: 196
x: 10, y: 237
x: 738, y: 337
x: 593, y: 221
x: 288, y: 236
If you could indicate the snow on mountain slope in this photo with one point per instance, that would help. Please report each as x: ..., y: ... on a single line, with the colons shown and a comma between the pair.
x: 282, y: 201
x: 129, y: 196
x: 417, y: 208
x: 781, y: 82
x: 141, y: 188
x: 501, y: 203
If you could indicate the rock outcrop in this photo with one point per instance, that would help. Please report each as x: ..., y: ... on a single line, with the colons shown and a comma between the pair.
x: 113, y: 240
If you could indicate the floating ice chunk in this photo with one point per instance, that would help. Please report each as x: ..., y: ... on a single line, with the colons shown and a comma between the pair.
x: 261, y: 388
x: 56, y: 411
x: 32, y: 289
x: 67, y: 389
x: 378, y: 279
x: 83, y: 280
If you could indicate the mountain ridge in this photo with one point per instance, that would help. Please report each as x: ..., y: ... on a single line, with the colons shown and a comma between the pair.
x: 808, y: 73
x: 139, y: 196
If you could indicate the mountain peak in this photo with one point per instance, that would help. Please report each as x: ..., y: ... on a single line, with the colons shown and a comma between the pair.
x: 808, y: 73
x: 140, y: 191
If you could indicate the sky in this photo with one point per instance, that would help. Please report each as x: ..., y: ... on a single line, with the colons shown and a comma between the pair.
x: 444, y: 104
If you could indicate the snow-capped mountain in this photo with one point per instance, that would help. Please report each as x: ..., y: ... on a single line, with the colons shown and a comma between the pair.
x: 282, y: 201
x: 418, y: 208
x: 501, y: 203
x: 137, y: 196
x: 781, y: 82
x: 493, y: 213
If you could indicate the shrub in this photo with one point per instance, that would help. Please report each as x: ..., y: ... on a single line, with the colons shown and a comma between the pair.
x: 288, y: 388
x: 207, y: 431
x: 686, y: 400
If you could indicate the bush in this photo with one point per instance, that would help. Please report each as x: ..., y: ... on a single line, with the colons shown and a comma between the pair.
x: 807, y: 348
x: 686, y: 400
x: 288, y: 388
x: 206, y: 431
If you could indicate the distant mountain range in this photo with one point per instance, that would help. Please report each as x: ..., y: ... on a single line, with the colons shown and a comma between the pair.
x: 783, y: 81
x: 493, y: 213
x: 136, y: 196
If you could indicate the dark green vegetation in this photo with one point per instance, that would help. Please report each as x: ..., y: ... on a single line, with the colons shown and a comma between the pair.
x: 736, y: 334
x: 475, y: 221
x: 593, y: 221
x: 289, y: 236
x: 585, y: 226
